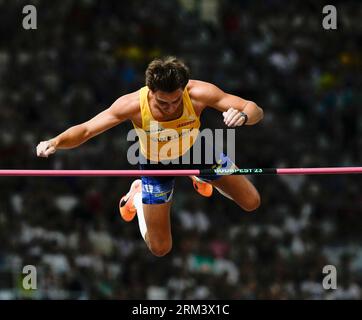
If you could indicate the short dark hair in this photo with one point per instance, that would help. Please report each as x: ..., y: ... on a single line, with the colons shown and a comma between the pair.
x: 167, y: 74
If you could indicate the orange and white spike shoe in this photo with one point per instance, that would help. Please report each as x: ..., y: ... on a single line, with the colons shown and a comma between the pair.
x: 202, y: 187
x: 127, y: 208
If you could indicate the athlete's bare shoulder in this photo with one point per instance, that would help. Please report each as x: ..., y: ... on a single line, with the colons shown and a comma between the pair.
x: 195, y: 87
x: 128, y: 103
x: 127, y: 106
x: 200, y: 93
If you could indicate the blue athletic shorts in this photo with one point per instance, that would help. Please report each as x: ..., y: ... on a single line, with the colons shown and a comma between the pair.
x: 157, y: 190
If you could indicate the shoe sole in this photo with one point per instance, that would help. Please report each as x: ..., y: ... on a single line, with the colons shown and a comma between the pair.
x: 126, y: 212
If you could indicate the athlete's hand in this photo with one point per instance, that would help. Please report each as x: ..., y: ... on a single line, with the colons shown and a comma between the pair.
x: 234, y: 118
x: 45, y: 148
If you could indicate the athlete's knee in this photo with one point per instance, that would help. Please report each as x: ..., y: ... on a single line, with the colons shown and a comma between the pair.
x: 253, y: 202
x: 160, y: 248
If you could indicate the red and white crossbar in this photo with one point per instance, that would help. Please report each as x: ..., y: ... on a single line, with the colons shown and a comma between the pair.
x: 193, y: 172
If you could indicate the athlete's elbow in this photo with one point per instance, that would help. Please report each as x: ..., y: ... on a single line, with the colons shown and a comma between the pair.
x: 258, y: 113
x: 86, y: 132
x: 261, y: 113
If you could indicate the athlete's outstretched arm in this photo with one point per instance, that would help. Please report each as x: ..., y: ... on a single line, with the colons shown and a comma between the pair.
x: 118, y: 112
x: 229, y: 104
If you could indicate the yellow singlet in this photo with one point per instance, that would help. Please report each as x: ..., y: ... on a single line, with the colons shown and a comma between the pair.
x: 169, y: 139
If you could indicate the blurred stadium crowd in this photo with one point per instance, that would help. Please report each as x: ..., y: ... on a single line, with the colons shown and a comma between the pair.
x: 87, y: 53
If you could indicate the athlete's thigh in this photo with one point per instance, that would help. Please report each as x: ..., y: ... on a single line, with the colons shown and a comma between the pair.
x: 157, y: 195
x: 240, y: 189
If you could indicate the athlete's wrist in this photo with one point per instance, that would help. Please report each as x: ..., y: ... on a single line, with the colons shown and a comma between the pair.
x: 54, y: 142
x: 246, y: 118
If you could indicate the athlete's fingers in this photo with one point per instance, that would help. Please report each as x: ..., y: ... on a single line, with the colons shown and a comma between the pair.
x: 229, y: 117
x: 44, y: 149
x: 235, y: 119
x: 49, y: 151
x: 228, y: 112
x: 41, y: 147
x: 240, y: 121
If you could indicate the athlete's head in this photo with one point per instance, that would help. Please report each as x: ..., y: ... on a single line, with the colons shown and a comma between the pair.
x: 167, y: 78
x: 167, y: 74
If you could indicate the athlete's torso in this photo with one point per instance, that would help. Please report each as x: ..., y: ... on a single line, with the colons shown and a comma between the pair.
x: 136, y: 117
x: 163, y: 140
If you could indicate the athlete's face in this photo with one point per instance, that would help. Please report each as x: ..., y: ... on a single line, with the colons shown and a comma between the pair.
x: 168, y: 102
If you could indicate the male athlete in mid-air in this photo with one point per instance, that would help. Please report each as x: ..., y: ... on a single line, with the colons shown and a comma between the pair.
x: 173, y: 101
